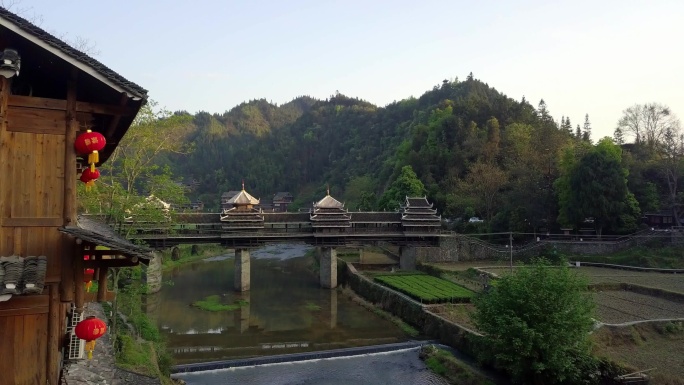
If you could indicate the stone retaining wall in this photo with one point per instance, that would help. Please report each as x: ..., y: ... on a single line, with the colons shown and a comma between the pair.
x: 410, y: 311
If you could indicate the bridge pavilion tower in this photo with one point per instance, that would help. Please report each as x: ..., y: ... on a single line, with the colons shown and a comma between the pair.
x: 418, y: 220
x: 329, y: 220
x: 242, y: 217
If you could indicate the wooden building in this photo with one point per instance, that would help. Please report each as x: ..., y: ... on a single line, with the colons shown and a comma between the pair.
x: 49, y: 94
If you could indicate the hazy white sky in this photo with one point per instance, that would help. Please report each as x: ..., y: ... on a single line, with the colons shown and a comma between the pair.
x: 596, y: 57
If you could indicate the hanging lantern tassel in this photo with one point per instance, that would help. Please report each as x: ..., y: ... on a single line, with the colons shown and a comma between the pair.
x: 89, y: 347
x: 90, y: 184
x: 94, y: 157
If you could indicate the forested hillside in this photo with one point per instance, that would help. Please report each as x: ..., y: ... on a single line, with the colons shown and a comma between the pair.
x: 472, y: 150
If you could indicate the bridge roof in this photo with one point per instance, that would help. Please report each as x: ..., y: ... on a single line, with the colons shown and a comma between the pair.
x: 286, y: 217
x: 243, y: 198
x: 329, y: 202
x: 376, y: 217
x: 415, y: 202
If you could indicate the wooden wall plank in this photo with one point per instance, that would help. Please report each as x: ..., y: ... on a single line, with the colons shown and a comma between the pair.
x: 25, y: 302
x: 53, y: 336
x: 7, y: 336
x: 31, y: 348
x: 35, y: 120
x: 40, y: 103
x: 32, y: 221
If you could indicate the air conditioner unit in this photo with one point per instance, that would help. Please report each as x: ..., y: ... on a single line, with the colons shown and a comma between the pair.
x: 76, y: 346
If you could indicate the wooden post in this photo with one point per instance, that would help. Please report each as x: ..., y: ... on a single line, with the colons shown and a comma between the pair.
x: 78, y: 280
x: 5, y: 168
x: 69, y: 210
x: 102, y: 284
x: 54, y: 321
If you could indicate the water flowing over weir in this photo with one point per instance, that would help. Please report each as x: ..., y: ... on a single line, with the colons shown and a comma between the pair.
x: 399, y: 365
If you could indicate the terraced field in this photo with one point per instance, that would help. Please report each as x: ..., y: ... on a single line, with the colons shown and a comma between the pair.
x: 622, y: 306
x: 670, y: 282
x: 426, y: 288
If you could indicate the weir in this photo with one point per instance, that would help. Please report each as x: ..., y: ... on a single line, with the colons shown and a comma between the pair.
x: 346, y: 352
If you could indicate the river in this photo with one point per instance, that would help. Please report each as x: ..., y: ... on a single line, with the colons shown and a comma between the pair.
x: 285, y: 311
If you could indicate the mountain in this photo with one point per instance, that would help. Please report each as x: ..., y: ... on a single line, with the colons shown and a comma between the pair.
x: 476, y: 151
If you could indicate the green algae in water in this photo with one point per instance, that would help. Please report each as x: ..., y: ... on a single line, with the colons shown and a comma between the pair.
x: 213, y: 303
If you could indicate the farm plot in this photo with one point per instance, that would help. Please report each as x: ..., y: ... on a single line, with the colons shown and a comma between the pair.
x: 426, y: 288
x: 625, y: 306
x: 671, y: 282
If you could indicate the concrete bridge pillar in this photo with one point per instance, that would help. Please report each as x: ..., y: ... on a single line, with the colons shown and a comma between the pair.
x: 328, y: 267
x: 361, y: 256
x: 241, y: 269
x: 407, y: 258
x: 153, y: 274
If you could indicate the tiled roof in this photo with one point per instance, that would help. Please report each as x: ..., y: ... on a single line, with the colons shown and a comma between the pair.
x: 31, y: 29
x: 281, y: 195
x: 376, y: 217
x: 197, y: 218
x: 101, y: 234
x: 243, y: 198
x: 329, y: 202
x: 286, y: 217
x: 418, y: 202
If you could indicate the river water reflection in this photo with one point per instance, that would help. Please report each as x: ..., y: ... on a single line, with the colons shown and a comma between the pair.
x: 286, y: 311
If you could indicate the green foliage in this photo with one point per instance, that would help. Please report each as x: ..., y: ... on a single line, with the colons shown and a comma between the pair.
x: 134, y: 185
x: 310, y: 306
x: 596, y: 187
x: 407, y: 184
x: 213, y: 303
x: 426, y: 288
x: 443, y: 363
x: 536, y: 324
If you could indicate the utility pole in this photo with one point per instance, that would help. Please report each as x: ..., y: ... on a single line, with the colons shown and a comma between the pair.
x: 510, y: 246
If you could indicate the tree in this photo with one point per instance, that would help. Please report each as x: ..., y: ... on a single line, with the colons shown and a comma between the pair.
x: 673, y: 165
x: 586, y: 132
x: 132, y: 173
x: 647, y: 123
x: 595, y: 187
x: 536, y: 324
x: 483, y: 184
x: 406, y: 184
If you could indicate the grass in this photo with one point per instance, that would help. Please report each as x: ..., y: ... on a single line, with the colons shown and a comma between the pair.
x: 213, y: 303
x: 312, y: 306
x: 444, y: 364
x: 426, y: 288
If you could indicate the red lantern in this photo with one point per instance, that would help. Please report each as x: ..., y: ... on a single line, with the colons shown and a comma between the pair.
x: 88, y: 275
x: 90, y: 143
x: 89, y: 176
x: 90, y: 329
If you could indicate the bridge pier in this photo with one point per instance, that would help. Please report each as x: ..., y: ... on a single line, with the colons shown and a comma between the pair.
x: 153, y: 273
x: 242, y: 269
x: 407, y: 258
x: 328, y: 267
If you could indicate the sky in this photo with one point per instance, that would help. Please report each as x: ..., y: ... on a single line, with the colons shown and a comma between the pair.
x: 582, y: 57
